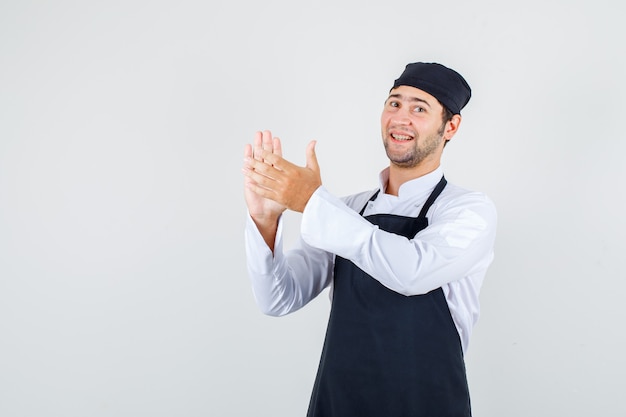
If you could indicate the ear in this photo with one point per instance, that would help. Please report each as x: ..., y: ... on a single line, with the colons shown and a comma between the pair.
x: 452, y: 126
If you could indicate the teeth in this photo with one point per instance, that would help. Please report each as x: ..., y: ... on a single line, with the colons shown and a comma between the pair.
x: 401, y: 137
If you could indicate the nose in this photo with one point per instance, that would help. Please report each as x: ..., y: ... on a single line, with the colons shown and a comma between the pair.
x: 400, y: 119
x: 401, y: 116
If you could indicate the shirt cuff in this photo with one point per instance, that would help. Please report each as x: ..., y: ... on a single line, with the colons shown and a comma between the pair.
x: 259, y: 257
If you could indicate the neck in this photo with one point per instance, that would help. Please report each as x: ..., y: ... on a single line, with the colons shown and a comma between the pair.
x: 399, y: 175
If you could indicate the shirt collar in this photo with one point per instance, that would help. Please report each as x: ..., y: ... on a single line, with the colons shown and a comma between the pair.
x: 419, y: 185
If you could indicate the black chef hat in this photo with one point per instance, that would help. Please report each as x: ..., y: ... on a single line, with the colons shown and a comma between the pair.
x: 445, y: 84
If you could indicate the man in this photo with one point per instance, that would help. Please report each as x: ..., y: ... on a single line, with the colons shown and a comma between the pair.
x: 405, y: 263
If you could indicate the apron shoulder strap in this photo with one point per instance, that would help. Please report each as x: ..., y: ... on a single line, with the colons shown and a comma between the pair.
x: 433, y: 196
x: 431, y: 199
x: 372, y: 198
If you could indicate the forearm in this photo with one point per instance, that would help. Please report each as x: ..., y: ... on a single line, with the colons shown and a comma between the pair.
x: 447, y: 250
x: 267, y: 227
x: 284, y: 282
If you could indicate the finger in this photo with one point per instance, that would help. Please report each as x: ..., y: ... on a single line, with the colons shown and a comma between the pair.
x: 311, y: 157
x: 261, y: 191
x: 278, y: 147
x: 257, y: 143
x: 264, y: 143
x: 276, y: 161
x: 259, y: 179
x: 247, y: 151
x: 268, y: 143
x: 262, y: 167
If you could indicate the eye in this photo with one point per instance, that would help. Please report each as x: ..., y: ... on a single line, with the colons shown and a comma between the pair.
x: 393, y: 104
x: 418, y: 109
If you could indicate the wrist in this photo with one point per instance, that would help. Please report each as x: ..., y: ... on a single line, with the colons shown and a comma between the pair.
x: 267, y: 227
x: 265, y: 221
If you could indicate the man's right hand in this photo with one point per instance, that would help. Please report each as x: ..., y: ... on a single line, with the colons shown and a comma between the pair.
x: 264, y: 212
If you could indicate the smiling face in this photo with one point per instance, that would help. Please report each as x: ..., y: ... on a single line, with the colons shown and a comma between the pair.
x: 413, y: 130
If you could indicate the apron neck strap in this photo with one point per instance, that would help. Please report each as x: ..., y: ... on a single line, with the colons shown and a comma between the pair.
x: 431, y: 199
x: 433, y: 196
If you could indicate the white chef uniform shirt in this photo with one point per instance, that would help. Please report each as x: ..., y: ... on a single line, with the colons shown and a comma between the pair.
x: 453, y: 252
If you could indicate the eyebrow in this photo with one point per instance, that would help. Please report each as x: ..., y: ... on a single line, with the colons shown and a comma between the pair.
x: 409, y: 98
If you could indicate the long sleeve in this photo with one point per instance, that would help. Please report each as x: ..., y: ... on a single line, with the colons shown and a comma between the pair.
x: 457, y: 243
x: 453, y: 252
x: 284, y: 282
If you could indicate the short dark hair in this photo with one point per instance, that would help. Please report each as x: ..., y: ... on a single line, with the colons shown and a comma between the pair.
x: 446, y: 116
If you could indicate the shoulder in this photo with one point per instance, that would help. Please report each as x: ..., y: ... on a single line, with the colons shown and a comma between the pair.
x: 455, y: 193
x: 455, y: 200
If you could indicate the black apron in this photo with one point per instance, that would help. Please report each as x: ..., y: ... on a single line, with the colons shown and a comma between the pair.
x: 386, y: 354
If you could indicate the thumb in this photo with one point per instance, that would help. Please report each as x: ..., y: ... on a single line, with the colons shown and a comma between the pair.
x: 311, y: 158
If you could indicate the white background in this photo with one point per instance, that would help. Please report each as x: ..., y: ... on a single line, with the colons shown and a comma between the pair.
x: 123, y: 289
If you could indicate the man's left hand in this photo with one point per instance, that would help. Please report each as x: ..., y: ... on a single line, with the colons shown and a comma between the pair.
x: 276, y: 178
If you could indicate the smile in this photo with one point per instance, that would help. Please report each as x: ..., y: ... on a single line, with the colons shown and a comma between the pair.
x: 401, y: 138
